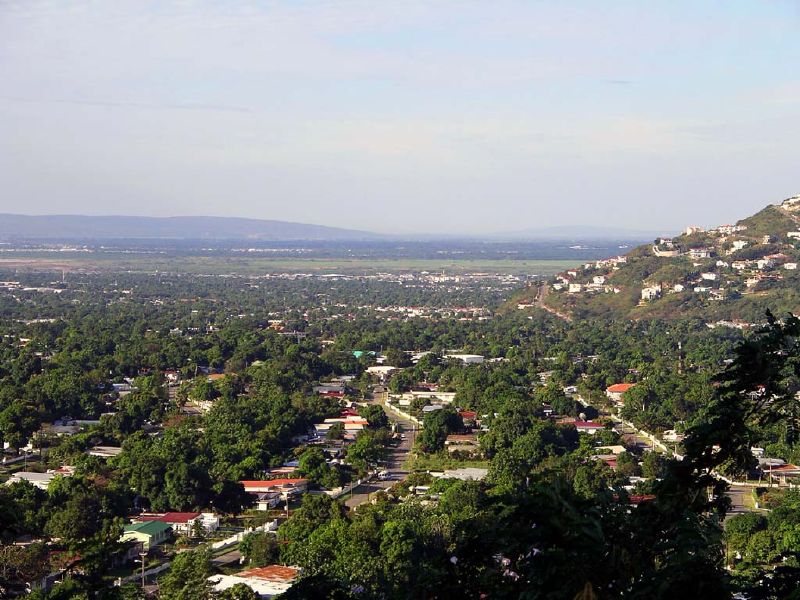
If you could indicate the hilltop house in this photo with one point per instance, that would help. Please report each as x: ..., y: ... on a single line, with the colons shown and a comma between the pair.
x: 651, y: 293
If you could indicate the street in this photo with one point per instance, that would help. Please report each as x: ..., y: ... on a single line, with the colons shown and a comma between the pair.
x: 395, y: 462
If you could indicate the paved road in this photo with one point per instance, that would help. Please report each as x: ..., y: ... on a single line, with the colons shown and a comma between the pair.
x: 394, y: 464
x: 231, y: 557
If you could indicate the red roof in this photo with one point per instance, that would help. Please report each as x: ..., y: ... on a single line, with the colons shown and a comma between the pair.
x: 619, y: 388
x: 275, y: 482
x: 468, y: 414
x: 170, y: 517
x: 588, y: 424
x: 639, y: 498
x: 275, y: 573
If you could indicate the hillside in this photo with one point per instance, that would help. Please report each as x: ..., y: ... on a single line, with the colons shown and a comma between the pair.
x: 730, y: 274
x: 15, y: 227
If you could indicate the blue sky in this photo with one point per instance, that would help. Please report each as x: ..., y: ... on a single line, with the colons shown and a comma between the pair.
x: 436, y: 116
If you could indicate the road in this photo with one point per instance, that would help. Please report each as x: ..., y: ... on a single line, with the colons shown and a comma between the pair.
x: 395, y: 464
x: 538, y: 301
x: 231, y: 557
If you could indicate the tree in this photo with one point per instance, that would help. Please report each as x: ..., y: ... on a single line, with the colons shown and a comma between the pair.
x: 240, y: 591
x: 259, y: 549
x: 375, y: 415
x: 438, y: 424
x: 187, y: 578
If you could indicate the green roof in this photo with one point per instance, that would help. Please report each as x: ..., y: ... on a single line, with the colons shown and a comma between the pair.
x: 148, y: 528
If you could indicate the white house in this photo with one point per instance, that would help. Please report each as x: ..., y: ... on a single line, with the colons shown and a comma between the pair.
x: 651, y: 293
x: 39, y: 480
x: 182, y: 522
x: 575, y: 288
x: 790, y: 266
x: 266, y: 582
x: 467, y: 359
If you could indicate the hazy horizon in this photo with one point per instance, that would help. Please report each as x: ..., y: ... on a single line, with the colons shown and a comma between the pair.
x: 401, y: 118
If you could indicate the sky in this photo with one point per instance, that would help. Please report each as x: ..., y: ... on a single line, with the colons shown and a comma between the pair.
x: 437, y: 116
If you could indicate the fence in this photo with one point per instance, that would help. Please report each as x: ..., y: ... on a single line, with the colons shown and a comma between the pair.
x: 238, y: 537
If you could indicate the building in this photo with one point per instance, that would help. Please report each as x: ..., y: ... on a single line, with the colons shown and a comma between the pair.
x: 700, y: 253
x: 267, y: 582
x: 467, y: 442
x: 39, y: 480
x: 104, y: 451
x: 615, y: 392
x: 467, y: 359
x: 149, y: 534
x: 182, y: 522
x: 651, y: 293
x: 588, y: 427
x: 288, y: 486
x: 464, y: 474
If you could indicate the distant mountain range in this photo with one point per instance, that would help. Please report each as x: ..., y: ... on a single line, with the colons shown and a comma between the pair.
x: 84, y: 227
x: 182, y: 228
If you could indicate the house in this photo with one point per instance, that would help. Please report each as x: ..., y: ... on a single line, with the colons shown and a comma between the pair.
x: 267, y: 582
x: 765, y: 263
x: 289, y: 486
x: 575, y: 288
x: 589, y: 427
x: 104, y: 451
x: 790, y: 266
x: 700, y: 252
x: 739, y: 244
x: 615, y: 392
x: 691, y: 230
x: 268, y: 500
x: 467, y: 359
x: 349, y: 423
x: 149, y: 534
x: 468, y: 415
x: 182, y: 522
x: 670, y: 435
x: 784, y: 473
x: 678, y: 287
x: 381, y: 371
x: 708, y: 276
x: 651, y: 293
x: 467, y: 442
x: 39, y: 480
x: 464, y: 474
x: 793, y: 235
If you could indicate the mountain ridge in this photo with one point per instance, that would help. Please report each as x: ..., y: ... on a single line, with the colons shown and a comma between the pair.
x: 92, y: 227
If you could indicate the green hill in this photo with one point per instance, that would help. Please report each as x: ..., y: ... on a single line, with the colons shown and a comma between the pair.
x: 729, y: 273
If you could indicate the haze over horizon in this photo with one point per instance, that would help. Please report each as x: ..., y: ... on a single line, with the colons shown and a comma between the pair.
x: 417, y: 117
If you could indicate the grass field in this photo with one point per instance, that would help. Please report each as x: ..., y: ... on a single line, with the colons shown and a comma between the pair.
x: 218, y: 265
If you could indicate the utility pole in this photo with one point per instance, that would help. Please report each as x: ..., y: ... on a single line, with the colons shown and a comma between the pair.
x: 143, y: 555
